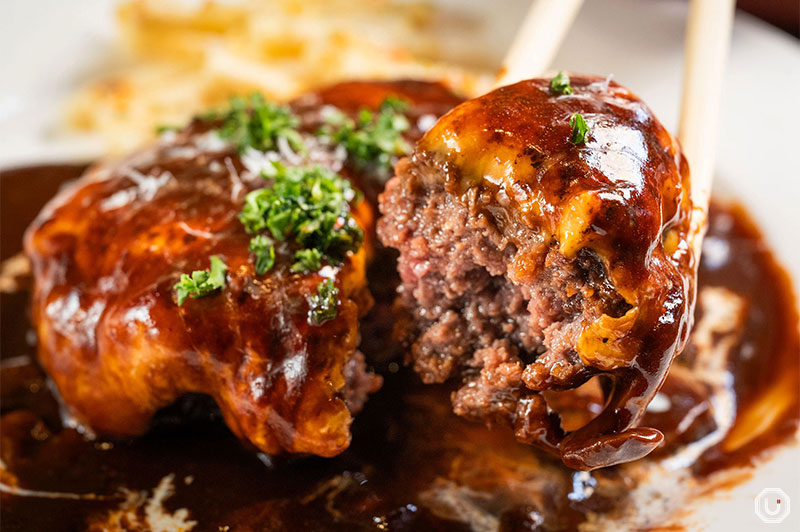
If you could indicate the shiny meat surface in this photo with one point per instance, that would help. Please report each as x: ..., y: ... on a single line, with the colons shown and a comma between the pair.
x: 532, y: 263
x: 107, y: 250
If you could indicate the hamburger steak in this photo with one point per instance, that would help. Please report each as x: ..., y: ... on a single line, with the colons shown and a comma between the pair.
x: 536, y: 253
x: 284, y: 216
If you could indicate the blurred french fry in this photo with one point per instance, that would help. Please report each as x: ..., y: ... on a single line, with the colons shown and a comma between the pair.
x: 183, y: 57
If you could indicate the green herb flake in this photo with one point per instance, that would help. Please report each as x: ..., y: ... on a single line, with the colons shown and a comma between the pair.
x: 163, y: 128
x: 263, y: 249
x: 375, y: 138
x: 202, y: 282
x: 309, y: 207
x: 307, y: 260
x: 322, y: 306
x: 394, y: 103
x: 579, y: 129
x: 560, y: 84
x: 256, y: 123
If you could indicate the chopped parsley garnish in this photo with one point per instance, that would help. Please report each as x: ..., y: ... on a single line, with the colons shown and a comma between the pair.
x: 307, y: 260
x: 375, y: 138
x: 394, y: 103
x: 322, y: 305
x: 308, y: 207
x: 579, y: 129
x: 202, y: 282
x: 257, y: 123
x: 560, y: 84
x: 264, y: 250
x: 163, y: 128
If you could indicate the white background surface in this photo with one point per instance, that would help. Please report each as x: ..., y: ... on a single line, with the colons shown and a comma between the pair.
x: 49, y: 45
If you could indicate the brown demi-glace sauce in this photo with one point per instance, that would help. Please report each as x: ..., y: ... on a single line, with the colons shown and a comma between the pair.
x: 412, y: 461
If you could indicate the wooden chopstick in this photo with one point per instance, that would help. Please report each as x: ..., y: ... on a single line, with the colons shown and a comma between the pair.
x: 538, y: 39
x: 708, y: 35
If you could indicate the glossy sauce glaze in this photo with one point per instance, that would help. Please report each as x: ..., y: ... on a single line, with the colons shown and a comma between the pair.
x: 108, y: 249
x: 612, y: 207
x: 413, y: 465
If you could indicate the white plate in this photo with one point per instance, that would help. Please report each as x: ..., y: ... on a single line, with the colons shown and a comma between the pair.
x: 50, y: 44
